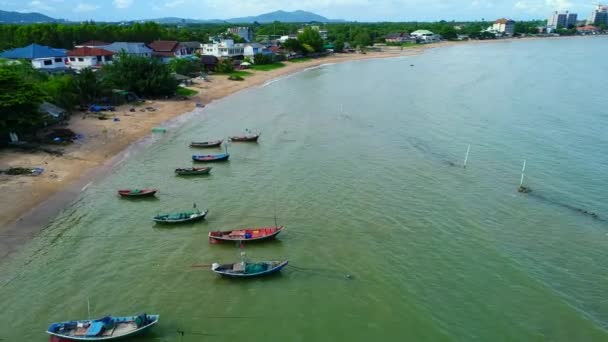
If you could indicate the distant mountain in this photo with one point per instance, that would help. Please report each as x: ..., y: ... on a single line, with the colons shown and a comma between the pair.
x: 175, y: 20
x: 283, y: 16
x: 24, y: 18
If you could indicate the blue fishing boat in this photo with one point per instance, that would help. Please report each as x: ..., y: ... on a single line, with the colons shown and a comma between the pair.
x: 211, y: 157
x: 105, y: 329
x: 246, y: 269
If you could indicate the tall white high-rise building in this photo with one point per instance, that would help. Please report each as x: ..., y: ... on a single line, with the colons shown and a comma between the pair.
x: 599, y: 16
x: 562, y: 20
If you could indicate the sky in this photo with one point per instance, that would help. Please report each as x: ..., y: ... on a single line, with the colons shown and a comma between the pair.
x: 357, y: 10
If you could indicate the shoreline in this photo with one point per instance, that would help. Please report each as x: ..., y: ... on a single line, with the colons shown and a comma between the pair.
x: 29, y: 203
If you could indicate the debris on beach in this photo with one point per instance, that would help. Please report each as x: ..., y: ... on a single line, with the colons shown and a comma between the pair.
x: 159, y: 130
x: 62, y: 136
x: 18, y: 171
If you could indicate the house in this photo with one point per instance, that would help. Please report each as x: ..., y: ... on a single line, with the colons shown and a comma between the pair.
x: 589, y: 29
x: 505, y: 27
x: 92, y: 43
x: 243, y: 32
x: 425, y: 36
x: 283, y: 39
x: 41, y: 57
x: 275, y: 49
x: 164, y: 50
x: 399, y: 37
x: 133, y: 49
x: 209, y: 62
x: 189, y: 48
x: 223, y: 48
x: 253, y: 49
x: 89, y: 57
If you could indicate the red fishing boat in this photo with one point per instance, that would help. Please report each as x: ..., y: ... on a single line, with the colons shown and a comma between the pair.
x: 245, y: 235
x: 137, y: 192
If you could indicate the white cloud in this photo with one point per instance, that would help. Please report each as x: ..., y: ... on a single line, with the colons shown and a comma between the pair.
x: 37, y: 5
x: 174, y: 3
x: 84, y: 7
x: 547, y: 6
x: 122, y: 3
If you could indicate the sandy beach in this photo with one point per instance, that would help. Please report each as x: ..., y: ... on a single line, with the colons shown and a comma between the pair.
x: 104, y: 139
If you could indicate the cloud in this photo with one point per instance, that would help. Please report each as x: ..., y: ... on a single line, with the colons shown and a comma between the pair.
x: 39, y: 6
x: 122, y: 3
x: 84, y: 7
x: 536, y: 6
x: 174, y: 3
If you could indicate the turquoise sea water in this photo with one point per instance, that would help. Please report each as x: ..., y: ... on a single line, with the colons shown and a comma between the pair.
x: 362, y: 163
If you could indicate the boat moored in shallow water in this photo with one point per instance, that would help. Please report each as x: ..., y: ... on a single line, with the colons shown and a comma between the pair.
x: 108, y: 328
x: 246, y: 269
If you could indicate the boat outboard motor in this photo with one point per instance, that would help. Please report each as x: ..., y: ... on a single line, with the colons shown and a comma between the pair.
x: 141, y: 320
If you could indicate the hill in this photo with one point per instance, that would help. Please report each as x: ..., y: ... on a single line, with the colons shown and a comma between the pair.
x: 24, y: 18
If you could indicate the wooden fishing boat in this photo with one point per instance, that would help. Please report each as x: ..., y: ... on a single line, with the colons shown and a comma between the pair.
x: 248, y: 235
x: 192, y: 171
x: 206, y: 144
x: 105, y: 329
x: 181, y: 217
x: 211, y: 157
x: 248, y: 269
x: 246, y: 138
x: 137, y: 192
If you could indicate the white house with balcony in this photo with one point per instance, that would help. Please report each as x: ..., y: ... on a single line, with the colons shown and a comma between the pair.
x: 87, y: 57
x: 425, y: 36
x: 223, y: 48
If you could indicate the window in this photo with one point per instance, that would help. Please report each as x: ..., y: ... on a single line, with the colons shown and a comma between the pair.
x: 72, y: 59
x: 108, y: 58
x: 80, y: 59
x: 58, y: 60
x: 48, y: 62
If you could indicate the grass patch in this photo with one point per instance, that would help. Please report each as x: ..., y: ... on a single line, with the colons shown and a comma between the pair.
x: 235, y: 78
x: 267, y: 67
x: 239, y: 73
x: 181, y: 91
x: 407, y: 45
x: 300, y: 60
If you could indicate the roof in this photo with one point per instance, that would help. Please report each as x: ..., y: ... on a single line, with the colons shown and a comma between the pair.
x: 421, y: 32
x: 163, y: 45
x: 191, y: 45
x: 87, y: 51
x: 33, y: 51
x: 131, y: 48
x: 274, y: 49
x: 587, y: 28
x: 209, y: 59
x: 94, y: 43
x: 179, y: 77
x: 503, y: 21
x: 51, y: 110
x: 256, y: 45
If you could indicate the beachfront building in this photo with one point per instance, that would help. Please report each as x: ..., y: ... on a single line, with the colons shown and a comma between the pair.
x: 399, y: 37
x: 322, y: 32
x: 243, y: 32
x: 588, y: 29
x: 559, y: 20
x: 89, y: 57
x: 223, y: 48
x: 599, y: 16
x: 165, y: 50
x: 133, y: 49
x: 503, y: 27
x: 42, y: 57
x: 425, y: 36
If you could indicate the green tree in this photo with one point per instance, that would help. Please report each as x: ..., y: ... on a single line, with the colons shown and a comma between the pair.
x: 293, y: 45
x: 143, y: 76
x: 362, y: 39
x: 261, y: 59
x: 311, y: 38
x: 224, y: 66
x: 184, y: 66
x: 87, y: 87
x: 61, y: 91
x: 20, y: 99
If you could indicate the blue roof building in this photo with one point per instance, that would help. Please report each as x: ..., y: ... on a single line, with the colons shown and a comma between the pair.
x: 42, y: 57
x: 136, y: 49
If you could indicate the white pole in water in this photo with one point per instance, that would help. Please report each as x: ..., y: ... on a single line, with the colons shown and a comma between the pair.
x: 466, y: 157
x: 523, y: 169
x: 89, y: 307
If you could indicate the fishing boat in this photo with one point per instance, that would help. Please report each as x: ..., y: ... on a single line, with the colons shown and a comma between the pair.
x: 246, y: 269
x: 211, y: 157
x: 206, y: 144
x: 181, y: 217
x: 192, y: 171
x: 137, y: 192
x: 248, y: 235
x: 108, y: 328
x: 246, y: 137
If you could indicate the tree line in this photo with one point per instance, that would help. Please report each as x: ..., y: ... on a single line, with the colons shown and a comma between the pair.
x: 357, y: 34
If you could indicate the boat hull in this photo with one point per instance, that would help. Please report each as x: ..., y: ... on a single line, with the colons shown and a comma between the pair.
x: 279, y: 266
x: 253, y: 138
x: 245, y: 235
x: 211, y: 158
x: 141, y: 193
x: 193, y: 171
x: 120, y: 333
x: 206, y: 144
x: 180, y: 218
